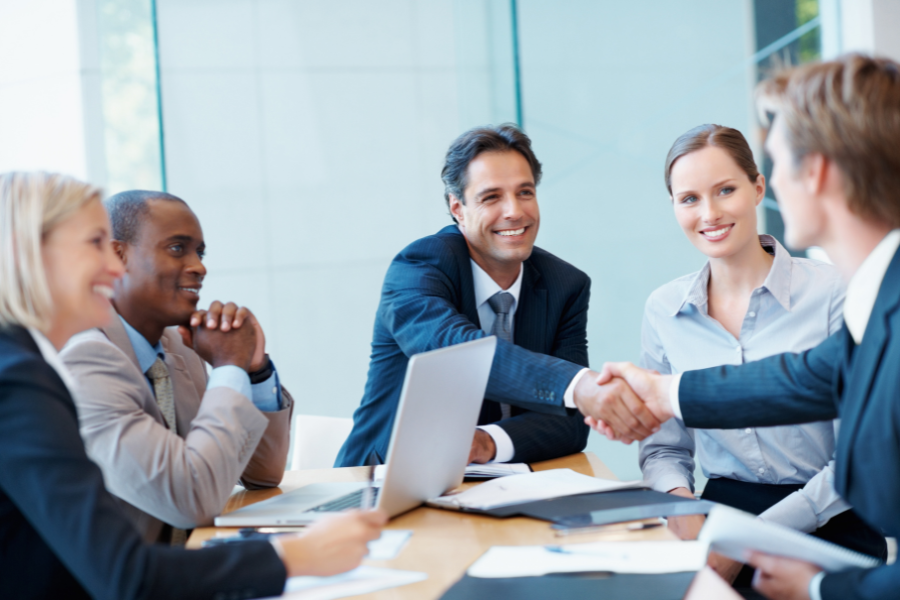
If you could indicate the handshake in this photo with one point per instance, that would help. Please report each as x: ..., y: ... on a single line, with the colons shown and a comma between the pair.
x: 624, y: 402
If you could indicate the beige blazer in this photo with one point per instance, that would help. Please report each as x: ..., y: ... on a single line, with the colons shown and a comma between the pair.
x: 185, y: 479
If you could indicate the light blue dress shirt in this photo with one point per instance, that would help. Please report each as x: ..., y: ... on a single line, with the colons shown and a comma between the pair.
x: 266, y: 396
x: 797, y: 307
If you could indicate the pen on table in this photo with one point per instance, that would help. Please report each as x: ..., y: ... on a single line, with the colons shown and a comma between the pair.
x: 563, y: 531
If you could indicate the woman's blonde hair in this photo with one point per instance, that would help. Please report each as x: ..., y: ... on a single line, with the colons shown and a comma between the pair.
x: 31, y: 206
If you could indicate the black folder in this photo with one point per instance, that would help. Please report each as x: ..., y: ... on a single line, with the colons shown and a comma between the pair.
x: 603, y: 508
x: 621, y: 586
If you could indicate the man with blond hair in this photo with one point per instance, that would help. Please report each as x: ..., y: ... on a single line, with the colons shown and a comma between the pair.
x: 835, y: 145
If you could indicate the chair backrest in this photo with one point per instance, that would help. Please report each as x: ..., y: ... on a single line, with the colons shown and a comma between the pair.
x: 317, y: 440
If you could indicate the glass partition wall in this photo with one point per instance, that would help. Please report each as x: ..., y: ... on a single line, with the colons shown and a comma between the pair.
x: 309, y: 139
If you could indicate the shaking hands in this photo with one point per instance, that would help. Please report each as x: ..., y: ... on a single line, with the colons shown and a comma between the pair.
x: 624, y: 402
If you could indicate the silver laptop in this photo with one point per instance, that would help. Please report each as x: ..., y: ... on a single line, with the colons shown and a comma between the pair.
x: 429, y: 449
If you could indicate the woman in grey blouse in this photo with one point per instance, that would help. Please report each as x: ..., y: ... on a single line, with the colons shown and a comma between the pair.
x: 750, y: 301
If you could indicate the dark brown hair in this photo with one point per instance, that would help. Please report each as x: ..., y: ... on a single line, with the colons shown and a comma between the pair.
x: 847, y: 110
x: 730, y: 140
x: 469, y: 145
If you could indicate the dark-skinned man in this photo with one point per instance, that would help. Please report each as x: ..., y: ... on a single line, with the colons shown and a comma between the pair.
x: 171, y: 440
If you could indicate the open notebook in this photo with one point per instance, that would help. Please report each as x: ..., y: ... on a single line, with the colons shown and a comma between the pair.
x: 735, y: 533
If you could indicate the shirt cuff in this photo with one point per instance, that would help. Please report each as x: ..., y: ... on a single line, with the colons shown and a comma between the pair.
x: 815, y: 586
x: 569, y: 396
x: 232, y: 377
x: 267, y: 394
x: 671, y: 481
x: 502, y: 441
x: 673, y: 396
x: 793, y: 511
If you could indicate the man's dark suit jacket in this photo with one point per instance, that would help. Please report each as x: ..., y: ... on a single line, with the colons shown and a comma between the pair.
x: 62, y: 535
x: 859, y: 384
x: 428, y: 302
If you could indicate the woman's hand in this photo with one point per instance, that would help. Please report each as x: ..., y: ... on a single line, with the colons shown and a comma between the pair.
x: 780, y: 578
x: 332, y: 545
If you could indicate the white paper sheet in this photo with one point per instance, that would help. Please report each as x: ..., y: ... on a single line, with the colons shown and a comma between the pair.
x: 389, y: 545
x: 362, y: 580
x: 529, y: 487
x: 616, y: 557
x: 489, y: 470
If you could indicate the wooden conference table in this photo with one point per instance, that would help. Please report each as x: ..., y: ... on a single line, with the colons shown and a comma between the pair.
x: 444, y: 543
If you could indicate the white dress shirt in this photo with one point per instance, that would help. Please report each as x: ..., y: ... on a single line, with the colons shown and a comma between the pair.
x: 485, y: 288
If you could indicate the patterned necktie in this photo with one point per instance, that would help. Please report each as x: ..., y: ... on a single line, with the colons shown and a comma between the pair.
x: 165, y: 399
x: 162, y: 387
x: 500, y: 303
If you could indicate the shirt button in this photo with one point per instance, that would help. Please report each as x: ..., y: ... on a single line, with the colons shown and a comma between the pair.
x: 748, y: 430
x: 274, y: 390
x: 760, y: 470
x: 751, y: 313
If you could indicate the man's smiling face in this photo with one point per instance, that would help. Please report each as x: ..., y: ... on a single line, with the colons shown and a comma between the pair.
x: 163, y: 267
x: 500, y: 217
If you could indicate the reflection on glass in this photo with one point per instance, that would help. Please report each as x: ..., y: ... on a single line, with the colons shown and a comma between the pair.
x: 130, y: 99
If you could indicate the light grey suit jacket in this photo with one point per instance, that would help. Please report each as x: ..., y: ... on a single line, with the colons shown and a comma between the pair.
x: 185, y: 479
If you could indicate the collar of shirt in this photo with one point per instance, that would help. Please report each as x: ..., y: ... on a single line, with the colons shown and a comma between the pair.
x: 52, y: 357
x: 777, y: 283
x: 146, y: 354
x: 485, y: 286
x: 862, y: 291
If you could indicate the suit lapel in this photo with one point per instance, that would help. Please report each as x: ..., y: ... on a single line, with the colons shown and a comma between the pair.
x: 116, y: 333
x: 457, y: 243
x: 530, y: 331
x: 862, y: 364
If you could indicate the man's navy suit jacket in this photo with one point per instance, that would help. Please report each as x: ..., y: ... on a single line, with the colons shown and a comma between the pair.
x: 428, y: 302
x: 62, y: 535
x: 859, y: 384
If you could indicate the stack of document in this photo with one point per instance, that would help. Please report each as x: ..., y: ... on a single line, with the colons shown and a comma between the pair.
x: 734, y: 533
x: 614, y: 557
x: 489, y: 471
x: 529, y: 487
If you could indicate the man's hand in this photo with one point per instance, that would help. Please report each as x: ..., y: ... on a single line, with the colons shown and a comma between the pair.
x: 483, y: 448
x: 611, y: 401
x: 332, y: 545
x: 780, y: 578
x: 219, y: 348
x: 226, y: 317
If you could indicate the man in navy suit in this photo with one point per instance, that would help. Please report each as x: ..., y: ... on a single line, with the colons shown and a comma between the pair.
x: 478, y: 277
x: 834, y: 145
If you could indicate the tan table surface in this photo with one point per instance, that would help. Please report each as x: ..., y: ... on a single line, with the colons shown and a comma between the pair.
x: 444, y: 543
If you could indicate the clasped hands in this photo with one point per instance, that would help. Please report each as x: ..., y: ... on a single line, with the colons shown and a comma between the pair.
x: 624, y: 402
x: 217, y: 335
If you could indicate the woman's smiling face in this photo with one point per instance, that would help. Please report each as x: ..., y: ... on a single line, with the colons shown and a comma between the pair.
x: 715, y: 201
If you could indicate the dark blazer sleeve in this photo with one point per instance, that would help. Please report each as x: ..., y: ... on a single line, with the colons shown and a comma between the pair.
x: 536, y: 436
x: 882, y: 583
x: 59, y: 495
x: 780, y: 390
x: 419, y: 313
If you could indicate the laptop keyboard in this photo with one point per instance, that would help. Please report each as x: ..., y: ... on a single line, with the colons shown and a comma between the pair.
x: 346, y: 502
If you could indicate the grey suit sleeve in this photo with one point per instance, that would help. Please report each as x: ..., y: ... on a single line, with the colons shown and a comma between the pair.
x: 666, y: 457
x: 267, y: 465
x: 182, y: 481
